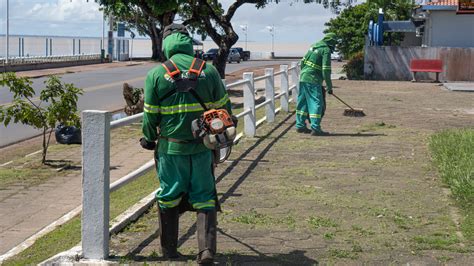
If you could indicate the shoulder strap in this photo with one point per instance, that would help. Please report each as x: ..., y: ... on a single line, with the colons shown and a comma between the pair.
x: 196, y: 68
x: 193, y: 74
x: 190, y: 83
x: 171, y: 69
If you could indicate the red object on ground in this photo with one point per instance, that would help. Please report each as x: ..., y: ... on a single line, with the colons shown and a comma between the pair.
x: 426, y: 65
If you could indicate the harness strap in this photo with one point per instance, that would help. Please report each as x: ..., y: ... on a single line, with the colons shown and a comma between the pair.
x: 196, y: 68
x: 171, y: 68
x: 193, y: 74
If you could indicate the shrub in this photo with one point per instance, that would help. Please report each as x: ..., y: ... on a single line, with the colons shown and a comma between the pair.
x: 355, y: 67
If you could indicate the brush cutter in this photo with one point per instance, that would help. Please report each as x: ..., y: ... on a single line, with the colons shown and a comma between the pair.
x: 351, y: 111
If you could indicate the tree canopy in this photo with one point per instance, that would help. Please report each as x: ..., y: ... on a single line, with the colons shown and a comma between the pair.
x: 352, y: 23
x: 204, y: 17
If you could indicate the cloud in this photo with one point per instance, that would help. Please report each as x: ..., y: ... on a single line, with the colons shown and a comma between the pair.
x: 294, y: 21
x: 64, y: 11
x: 54, y: 17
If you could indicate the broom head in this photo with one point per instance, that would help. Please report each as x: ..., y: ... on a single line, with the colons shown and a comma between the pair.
x: 354, y: 112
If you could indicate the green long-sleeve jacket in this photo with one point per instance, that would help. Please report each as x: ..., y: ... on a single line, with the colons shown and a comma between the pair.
x: 316, y: 64
x: 173, y: 115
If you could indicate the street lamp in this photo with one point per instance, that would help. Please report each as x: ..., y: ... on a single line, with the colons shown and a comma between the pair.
x: 271, y: 29
x: 244, y: 29
x: 7, y: 36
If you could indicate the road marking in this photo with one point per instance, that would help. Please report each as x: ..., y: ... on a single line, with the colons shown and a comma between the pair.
x: 93, y: 88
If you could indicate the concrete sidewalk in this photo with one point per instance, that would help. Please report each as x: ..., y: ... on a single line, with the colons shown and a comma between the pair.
x: 367, y: 194
x: 460, y: 86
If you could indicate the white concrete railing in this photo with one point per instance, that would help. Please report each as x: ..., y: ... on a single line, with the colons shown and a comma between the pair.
x: 96, y: 126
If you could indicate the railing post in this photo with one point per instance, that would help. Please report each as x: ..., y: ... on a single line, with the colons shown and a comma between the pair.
x: 250, y: 123
x: 284, y: 88
x: 294, y: 80
x: 95, y: 184
x: 270, y: 94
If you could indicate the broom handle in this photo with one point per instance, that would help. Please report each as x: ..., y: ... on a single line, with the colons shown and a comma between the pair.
x: 342, y: 101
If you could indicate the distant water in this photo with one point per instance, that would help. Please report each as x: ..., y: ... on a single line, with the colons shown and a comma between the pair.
x: 57, y: 45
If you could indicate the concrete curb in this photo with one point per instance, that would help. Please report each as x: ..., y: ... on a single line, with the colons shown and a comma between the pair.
x: 74, y: 255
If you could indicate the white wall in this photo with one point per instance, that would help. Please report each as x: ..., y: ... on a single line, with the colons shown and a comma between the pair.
x: 447, y: 29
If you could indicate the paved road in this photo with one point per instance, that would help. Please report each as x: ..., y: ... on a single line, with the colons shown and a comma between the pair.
x: 102, y: 91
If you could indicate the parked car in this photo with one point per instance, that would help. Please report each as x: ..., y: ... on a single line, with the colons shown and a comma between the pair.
x: 234, y: 56
x: 336, y: 56
x: 245, y: 55
x: 211, y: 54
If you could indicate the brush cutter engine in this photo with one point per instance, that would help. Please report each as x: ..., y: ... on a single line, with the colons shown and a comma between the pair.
x: 216, y: 128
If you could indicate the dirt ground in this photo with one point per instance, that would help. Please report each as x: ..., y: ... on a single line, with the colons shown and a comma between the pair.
x: 367, y: 194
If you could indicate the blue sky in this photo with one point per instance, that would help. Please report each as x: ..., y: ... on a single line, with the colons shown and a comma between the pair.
x: 294, y: 22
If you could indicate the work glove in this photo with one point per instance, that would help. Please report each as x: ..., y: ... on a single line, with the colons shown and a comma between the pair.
x: 148, y: 145
x: 329, y: 90
x: 235, y: 120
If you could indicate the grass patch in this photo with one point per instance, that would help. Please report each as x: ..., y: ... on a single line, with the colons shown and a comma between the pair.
x: 317, y: 222
x: 453, y: 154
x: 255, y: 218
x: 69, y: 234
x: 436, y: 242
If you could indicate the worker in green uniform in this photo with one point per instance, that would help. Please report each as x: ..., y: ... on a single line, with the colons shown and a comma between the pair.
x: 185, y: 166
x: 315, y: 68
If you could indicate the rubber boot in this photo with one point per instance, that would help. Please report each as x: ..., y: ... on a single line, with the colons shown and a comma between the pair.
x: 206, y: 233
x: 169, y: 226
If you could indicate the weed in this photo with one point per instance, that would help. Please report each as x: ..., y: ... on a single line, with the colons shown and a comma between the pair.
x: 361, y: 231
x: 444, y: 258
x: 255, y: 218
x: 342, y: 254
x: 317, y: 222
x: 401, y: 221
x: 154, y: 255
x: 436, y: 241
x: 329, y: 235
x: 356, y: 248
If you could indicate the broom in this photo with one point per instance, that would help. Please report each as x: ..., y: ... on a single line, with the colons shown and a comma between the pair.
x: 351, y: 111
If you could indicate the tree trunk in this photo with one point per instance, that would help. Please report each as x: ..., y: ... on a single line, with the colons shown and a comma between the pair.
x: 156, y: 43
x: 221, y: 60
x: 45, y: 147
x: 157, y: 53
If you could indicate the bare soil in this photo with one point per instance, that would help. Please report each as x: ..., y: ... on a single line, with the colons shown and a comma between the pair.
x: 367, y: 194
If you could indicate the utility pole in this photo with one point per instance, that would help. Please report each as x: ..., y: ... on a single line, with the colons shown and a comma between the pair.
x: 271, y: 29
x: 103, y: 33
x: 244, y: 28
x: 273, y: 39
x: 7, y: 36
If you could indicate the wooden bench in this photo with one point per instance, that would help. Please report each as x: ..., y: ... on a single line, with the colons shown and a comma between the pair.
x: 426, y: 65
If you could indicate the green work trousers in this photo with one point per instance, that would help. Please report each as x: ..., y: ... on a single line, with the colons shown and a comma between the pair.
x: 310, y: 106
x: 186, y: 174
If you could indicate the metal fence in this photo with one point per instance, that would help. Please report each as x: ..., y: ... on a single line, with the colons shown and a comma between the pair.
x: 96, y: 126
